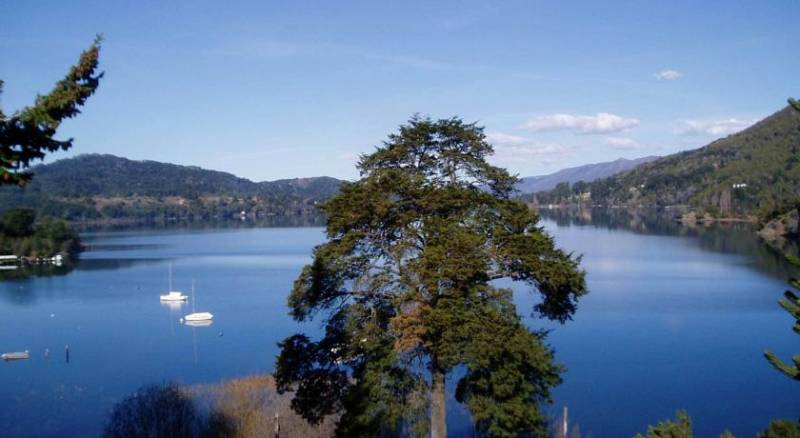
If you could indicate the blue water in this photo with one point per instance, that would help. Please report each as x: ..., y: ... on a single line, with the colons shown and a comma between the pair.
x: 672, y: 321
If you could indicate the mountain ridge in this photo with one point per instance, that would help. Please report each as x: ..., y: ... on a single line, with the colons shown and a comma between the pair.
x: 586, y: 173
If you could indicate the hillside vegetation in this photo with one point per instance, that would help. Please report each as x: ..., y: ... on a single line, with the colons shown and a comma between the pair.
x: 25, y: 234
x: 755, y: 172
x: 106, y: 187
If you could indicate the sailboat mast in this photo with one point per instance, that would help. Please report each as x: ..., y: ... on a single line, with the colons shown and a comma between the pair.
x: 170, y: 278
x: 193, y: 295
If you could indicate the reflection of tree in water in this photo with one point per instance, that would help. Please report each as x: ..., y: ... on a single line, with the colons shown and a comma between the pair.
x: 727, y: 238
x: 36, y: 270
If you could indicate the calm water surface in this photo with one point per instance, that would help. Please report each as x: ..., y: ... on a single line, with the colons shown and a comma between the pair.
x: 675, y: 319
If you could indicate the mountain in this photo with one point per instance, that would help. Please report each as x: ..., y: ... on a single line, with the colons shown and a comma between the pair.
x: 755, y: 172
x: 586, y: 173
x: 103, y: 187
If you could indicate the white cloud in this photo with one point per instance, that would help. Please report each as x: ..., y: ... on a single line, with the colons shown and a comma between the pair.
x: 513, y: 149
x: 622, y: 143
x: 601, y: 123
x: 668, y: 75
x: 498, y: 138
x: 712, y: 127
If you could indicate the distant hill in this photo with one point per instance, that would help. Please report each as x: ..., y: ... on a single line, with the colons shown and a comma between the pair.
x: 97, y: 187
x: 753, y: 172
x: 586, y: 173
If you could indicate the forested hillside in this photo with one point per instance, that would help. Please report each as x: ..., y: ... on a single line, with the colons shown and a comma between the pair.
x: 106, y: 187
x: 755, y: 172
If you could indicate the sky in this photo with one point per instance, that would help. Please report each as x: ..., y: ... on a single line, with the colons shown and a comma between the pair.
x: 271, y: 89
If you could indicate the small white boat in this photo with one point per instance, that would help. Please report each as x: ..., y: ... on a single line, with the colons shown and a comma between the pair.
x: 16, y: 355
x: 198, y: 316
x: 203, y: 323
x: 173, y: 295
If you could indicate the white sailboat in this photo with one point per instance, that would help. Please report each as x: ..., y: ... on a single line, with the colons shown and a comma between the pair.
x: 172, y: 295
x: 195, y: 317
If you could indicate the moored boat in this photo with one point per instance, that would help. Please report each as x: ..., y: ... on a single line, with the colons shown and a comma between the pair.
x: 173, y: 295
x: 196, y: 316
x: 17, y: 355
x: 199, y: 316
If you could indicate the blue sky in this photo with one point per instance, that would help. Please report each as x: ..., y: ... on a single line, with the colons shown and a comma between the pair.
x: 270, y: 90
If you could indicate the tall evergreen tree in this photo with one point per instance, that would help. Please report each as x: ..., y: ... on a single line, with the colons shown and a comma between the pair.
x: 791, y: 303
x: 27, y: 135
x: 406, y: 283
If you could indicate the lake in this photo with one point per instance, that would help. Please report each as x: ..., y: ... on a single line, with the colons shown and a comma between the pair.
x: 676, y: 319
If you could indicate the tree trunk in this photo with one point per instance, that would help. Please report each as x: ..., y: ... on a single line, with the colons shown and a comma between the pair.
x: 438, y: 413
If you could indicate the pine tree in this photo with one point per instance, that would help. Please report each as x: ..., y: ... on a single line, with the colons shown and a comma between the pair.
x: 406, y: 284
x: 791, y: 303
x: 27, y: 135
x: 680, y: 428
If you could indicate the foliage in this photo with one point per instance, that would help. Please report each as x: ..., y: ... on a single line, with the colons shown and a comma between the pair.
x: 154, y: 411
x: 791, y: 303
x: 27, y: 135
x: 247, y: 407
x: 680, y: 428
x: 250, y: 407
x: 781, y: 429
x: 765, y: 157
x: 18, y: 223
x: 405, y: 282
x: 118, y: 188
x: 23, y: 234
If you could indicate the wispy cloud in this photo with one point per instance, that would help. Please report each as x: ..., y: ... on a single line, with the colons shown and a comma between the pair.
x: 668, y: 75
x: 268, y: 48
x: 601, y: 123
x: 623, y: 143
x: 712, y: 127
x: 514, y: 150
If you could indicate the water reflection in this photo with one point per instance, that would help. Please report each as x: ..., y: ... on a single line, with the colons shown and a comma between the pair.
x: 727, y: 238
x: 18, y: 272
x: 186, y: 225
x: 172, y: 305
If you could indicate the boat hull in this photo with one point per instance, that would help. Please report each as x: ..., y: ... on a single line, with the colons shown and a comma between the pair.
x: 15, y: 356
x: 202, y: 316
